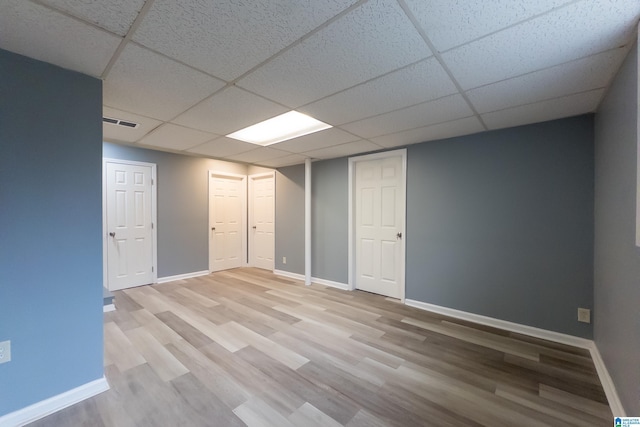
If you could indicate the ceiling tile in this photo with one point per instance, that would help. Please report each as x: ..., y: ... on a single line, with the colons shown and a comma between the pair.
x: 258, y: 155
x: 451, y: 23
x: 348, y: 149
x: 567, y: 106
x: 228, y: 111
x: 441, y: 110
x: 417, y: 83
x: 113, y: 15
x: 293, y: 159
x: 38, y: 32
x: 229, y: 37
x: 152, y: 85
x: 581, y: 75
x: 115, y: 133
x: 222, y: 147
x: 371, y: 40
x: 577, y: 30
x: 176, y: 137
x: 450, y: 129
x: 314, y: 141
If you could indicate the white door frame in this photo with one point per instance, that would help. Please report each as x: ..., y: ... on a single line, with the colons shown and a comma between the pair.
x: 154, y: 217
x: 243, y: 226
x: 352, y: 228
x: 250, y: 197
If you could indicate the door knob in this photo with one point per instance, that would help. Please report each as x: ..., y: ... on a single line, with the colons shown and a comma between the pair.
x: 254, y: 227
x: 399, y: 235
x: 112, y: 234
x: 213, y: 229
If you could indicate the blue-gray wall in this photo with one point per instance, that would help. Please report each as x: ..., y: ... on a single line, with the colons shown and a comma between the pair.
x: 290, y: 219
x: 617, y: 259
x: 183, y: 205
x: 501, y: 224
x: 329, y: 220
x: 50, y: 230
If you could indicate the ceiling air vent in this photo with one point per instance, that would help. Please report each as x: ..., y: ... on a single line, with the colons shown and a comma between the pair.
x: 120, y: 122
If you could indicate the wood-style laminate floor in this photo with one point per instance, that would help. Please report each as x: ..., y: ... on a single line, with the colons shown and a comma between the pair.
x: 246, y: 347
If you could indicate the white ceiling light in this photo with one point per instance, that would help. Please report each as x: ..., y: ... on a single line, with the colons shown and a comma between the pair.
x: 280, y: 128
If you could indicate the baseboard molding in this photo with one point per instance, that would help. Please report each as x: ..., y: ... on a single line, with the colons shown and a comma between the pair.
x: 607, y: 383
x: 109, y: 307
x: 289, y: 274
x: 46, y: 407
x: 605, y: 379
x: 330, y: 283
x: 182, y: 276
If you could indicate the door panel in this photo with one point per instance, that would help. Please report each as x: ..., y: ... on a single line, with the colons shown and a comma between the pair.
x: 129, y: 227
x: 226, y: 221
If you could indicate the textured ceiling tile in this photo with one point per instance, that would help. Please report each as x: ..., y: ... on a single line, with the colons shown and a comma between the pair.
x: 348, y: 149
x: 567, y: 106
x: 222, y: 147
x: 417, y: 83
x: 460, y: 127
x: 441, y: 110
x: 116, y: 133
x: 228, y: 111
x: 581, y: 75
x: 325, y: 138
x: 113, y: 15
x: 258, y: 155
x: 38, y: 32
x: 580, y: 29
x: 371, y: 40
x: 176, y: 137
x: 229, y: 37
x: 450, y: 23
x: 152, y: 85
x: 293, y: 159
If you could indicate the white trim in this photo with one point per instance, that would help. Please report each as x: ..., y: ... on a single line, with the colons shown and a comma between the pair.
x: 603, y: 374
x: 503, y: 324
x: 402, y: 153
x: 46, y: 407
x: 243, y: 226
x: 307, y: 221
x: 607, y: 383
x: 109, y: 307
x: 289, y: 275
x: 182, y: 276
x: 250, y: 238
x: 154, y: 216
x: 330, y: 283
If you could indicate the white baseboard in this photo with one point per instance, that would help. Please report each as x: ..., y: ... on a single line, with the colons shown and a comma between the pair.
x: 605, y: 379
x: 182, y: 276
x: 330, y: 283
x: 607, y: 383
x: 46, y: 407
x: 289, y: 275
x: 109, y: 307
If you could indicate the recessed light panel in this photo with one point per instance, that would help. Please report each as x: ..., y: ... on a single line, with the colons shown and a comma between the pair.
x: 280, y: 128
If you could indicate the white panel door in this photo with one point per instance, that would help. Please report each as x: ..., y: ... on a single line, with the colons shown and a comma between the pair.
x: 379, y: 224
x: 129, y: 225
x: 262, y: 231
x: 227, y: 195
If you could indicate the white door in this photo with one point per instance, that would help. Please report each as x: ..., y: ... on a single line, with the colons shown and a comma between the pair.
x: 227, y: 214
x: 261, y: 220
x: 129, y: 226
x: 379, y: 226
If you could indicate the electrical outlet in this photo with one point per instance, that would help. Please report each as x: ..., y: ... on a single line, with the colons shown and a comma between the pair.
x: 584, y: 315
x: 284, y: 259
x: 5, y: 351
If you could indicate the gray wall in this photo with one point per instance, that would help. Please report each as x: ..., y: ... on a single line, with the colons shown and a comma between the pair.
x: 329, y: 220
x: 617, y: 259
x: 50, y: 230
x: 501, y: 224
x: 183, y: 245
x: 290, y: 219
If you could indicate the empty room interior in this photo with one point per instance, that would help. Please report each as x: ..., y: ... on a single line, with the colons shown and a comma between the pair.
x: 319, y: 212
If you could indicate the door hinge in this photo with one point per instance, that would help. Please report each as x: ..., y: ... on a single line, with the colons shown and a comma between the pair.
x: 152, y: 181
x: 152, y: 226
x: 152, y: 269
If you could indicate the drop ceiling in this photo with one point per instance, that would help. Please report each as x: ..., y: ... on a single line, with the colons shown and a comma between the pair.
x: 384, y: 73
